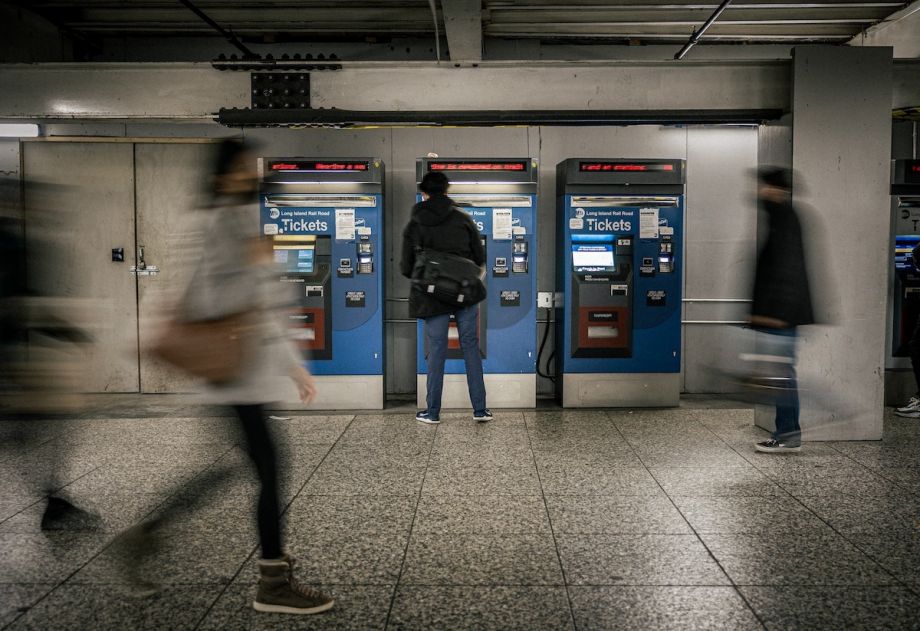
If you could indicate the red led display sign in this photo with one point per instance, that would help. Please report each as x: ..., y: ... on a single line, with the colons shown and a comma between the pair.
x: 477, y: 166
x: 303, y: 166
x: 912, y: 172
x: 605, y: 167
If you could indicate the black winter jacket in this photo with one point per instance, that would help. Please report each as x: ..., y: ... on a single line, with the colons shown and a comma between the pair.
x: 437, y: 224
x: 781, y: 288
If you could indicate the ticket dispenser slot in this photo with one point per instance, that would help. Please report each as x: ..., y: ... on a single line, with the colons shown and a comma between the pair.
x: 601, y: 280
x: 306, y: 265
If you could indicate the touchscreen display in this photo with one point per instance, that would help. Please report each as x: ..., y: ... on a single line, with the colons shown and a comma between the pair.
x: 295, y: 260
x: 592, y: 258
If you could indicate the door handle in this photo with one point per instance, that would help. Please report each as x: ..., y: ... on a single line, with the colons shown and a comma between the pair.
x: 142, y: 269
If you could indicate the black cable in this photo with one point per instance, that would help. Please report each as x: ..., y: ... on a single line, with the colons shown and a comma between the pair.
x: 543, y: 347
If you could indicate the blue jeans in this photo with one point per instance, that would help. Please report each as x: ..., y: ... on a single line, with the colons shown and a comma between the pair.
x: 436, y: 333
x: 781, y: 342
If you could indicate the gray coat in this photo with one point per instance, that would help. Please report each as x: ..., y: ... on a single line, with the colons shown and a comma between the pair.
x: 224, y: 282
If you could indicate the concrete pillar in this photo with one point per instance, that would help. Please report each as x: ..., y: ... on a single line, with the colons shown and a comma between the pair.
x: 841, y: 147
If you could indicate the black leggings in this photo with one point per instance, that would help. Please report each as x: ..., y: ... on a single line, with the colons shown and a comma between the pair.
x: 262, y: 452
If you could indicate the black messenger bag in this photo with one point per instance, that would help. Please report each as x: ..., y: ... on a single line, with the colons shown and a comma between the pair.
x: 453, y: 280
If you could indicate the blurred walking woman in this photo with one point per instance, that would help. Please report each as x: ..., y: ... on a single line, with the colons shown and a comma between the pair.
x: 233, y: 276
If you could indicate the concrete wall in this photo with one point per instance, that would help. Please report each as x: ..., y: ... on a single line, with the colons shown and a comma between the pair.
x: 841, y: 155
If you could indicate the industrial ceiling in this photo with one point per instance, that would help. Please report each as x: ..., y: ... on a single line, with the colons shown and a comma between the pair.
x: 589, y: 21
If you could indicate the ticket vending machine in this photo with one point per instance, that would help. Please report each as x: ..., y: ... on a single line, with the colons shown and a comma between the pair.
x: 500, y: 195
x: 325, y: 219
x: 904, y: 305
x: 618, y: 281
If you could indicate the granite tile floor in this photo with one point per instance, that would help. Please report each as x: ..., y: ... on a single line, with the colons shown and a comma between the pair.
x: 541, y: 519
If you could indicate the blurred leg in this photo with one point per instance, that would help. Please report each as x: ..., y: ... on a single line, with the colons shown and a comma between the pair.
x: 262, y: 452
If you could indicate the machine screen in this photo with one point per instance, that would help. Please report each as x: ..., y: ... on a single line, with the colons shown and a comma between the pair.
x: 295, y: 259
x: 903, y: 248
x: 593, y: 258
x: 312, y: 166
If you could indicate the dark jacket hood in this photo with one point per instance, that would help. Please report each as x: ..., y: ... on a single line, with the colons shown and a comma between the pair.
x: 433, y: 211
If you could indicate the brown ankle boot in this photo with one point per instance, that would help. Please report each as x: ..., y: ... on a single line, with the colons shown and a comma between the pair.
x: 279, y: 591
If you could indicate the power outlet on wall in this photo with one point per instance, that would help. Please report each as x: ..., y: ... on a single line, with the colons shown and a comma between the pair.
x: 545, y: 299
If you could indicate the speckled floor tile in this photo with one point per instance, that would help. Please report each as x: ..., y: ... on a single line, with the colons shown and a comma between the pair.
x: 715, y: 482
x: 809, y: 481
x: 357, y: 608
x: 371, y: 514
x: 538, y: 417
x: 478, y: 478
x: 13, y: 503
x: 814, y: 455
x: 187, y: 558
x: 46, y: 558
x: 309, y: 429
x: 340, y: 557
x: 381, y: 457
x: 483, y: 559
x: 615, y: 514
x: 906, y: 478
x: 77, y: 607
x: 665, y: 608
x: 586, y: 455
x: 115, y: 512
x: 712, y: 455
x: 850, y: 514
x: 481, y: 608
x: 16, y: 600
x: 898, y: 552
x: 748, y: 514
x: 357, y: 478
x: 637, y: 560
x: 797, y: 559
x: 128, y: 479
x: 481, y: 514
x: 834, y: 607
x: 406, y: 423
x: 562, y: 479
x: 876, y: 455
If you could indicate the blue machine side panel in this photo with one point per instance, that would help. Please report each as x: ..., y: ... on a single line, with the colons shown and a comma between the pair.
x: 357, y: 332
x: 511, y: 331
x: 656, y: 316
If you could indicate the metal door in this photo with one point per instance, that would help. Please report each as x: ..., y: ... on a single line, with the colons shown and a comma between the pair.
x: 170, y: 182
x: 79, y: 201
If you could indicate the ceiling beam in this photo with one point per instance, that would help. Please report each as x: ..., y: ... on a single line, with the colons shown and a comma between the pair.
x: 900, y: 30
x: 463, y: 23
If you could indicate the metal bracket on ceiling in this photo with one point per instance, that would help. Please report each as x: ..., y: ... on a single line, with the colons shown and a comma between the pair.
x: 285, y: 63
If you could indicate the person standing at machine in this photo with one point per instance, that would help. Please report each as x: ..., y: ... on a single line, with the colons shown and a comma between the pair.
x: 437, y: 224
x: 912, y: 408
x: 235, y: 274
x: 781, y: 302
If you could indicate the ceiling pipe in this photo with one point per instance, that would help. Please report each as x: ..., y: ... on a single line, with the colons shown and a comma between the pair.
x: 229, y: 36
x: 437, y: 33
x: 699, y: 33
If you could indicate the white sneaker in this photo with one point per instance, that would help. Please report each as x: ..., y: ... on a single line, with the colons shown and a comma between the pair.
x: 912, y: 406
x: 911, y: 410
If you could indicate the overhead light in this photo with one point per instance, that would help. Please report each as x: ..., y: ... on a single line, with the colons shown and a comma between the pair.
x: 18, y: 130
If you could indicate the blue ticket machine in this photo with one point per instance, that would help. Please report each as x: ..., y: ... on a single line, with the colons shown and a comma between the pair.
x: 618, y: 280
x: 904, y: 305
x: 501, y: 197
x: 325, y: 219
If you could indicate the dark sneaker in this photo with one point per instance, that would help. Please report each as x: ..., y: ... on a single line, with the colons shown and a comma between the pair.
x: 133, y: 549
x: 62, y: 515
x: 425, y: 417
x: 774, y: 446
x: 279, y: 591
x: 484, y: 416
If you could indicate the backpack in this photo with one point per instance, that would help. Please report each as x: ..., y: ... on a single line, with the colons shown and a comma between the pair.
x: 451, y: 279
